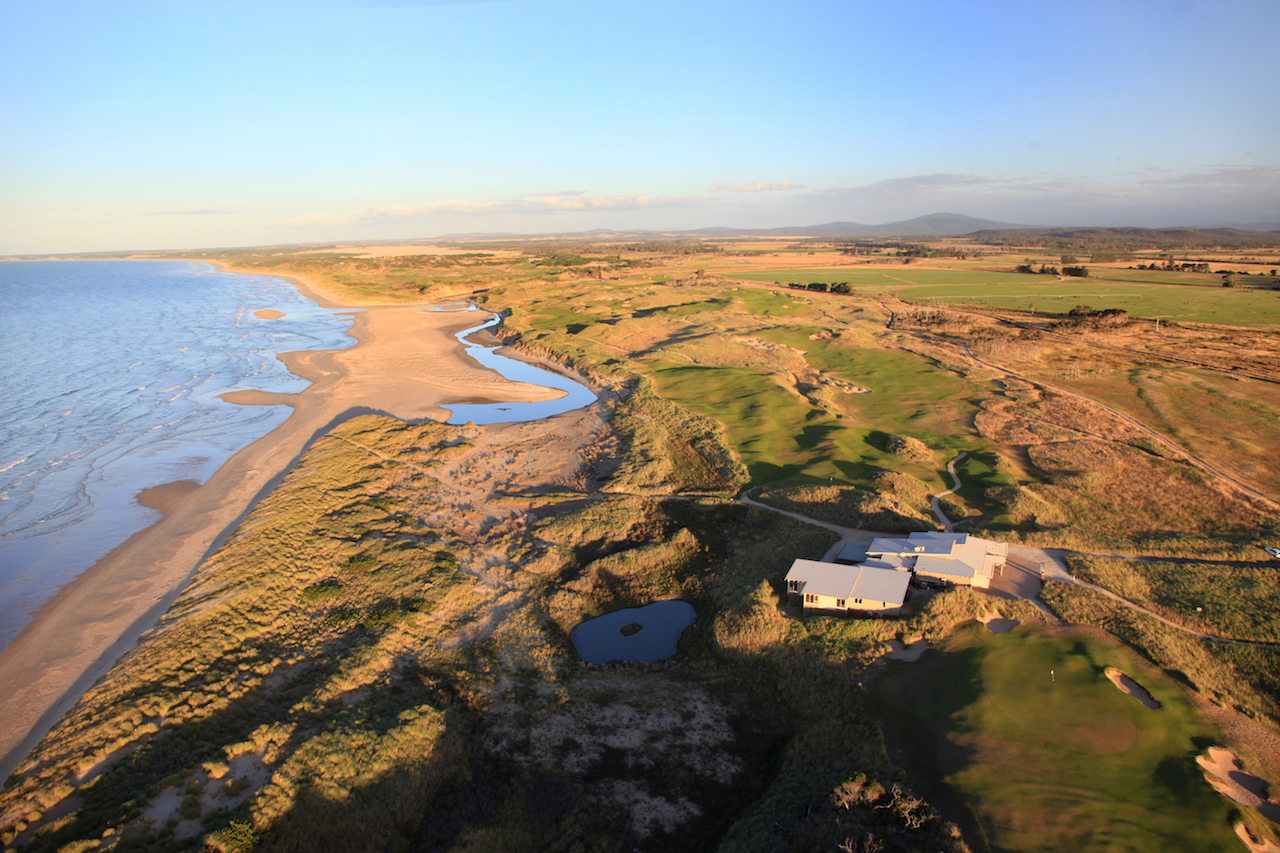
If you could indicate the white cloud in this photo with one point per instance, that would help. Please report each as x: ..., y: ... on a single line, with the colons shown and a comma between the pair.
x: 756, y: 187
x: 564, y: 201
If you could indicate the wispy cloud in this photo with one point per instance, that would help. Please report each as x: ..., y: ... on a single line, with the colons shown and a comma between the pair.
x: 756, y: 187
x: 188, y: 213
x: 1217, y: 193
x: 562, y: 201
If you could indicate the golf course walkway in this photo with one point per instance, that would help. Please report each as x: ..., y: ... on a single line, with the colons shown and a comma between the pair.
x: 935, y: 501
x: 1049, y: 561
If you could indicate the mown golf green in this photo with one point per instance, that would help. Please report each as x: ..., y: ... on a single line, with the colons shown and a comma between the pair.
x: 1025, y: 733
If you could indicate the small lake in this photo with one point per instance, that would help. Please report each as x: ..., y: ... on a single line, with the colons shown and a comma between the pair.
x: 614, y: 636
x: 576, y: 395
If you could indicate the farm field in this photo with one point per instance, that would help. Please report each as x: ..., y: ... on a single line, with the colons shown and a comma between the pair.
x: 1047, y: 754
x: 884, y: 277
x: 1182, y: 303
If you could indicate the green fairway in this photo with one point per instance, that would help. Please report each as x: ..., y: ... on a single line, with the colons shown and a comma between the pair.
x: 1187, y: 303
x: 782, y: 437
x: 1026, y: 734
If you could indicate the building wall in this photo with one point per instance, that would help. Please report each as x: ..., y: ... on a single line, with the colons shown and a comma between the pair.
x: 865, y: 607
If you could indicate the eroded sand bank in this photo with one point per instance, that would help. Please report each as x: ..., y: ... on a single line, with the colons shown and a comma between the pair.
x: 406, y: 364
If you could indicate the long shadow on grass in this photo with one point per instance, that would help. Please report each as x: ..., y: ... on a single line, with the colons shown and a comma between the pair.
x: 912, y: 702
x: 122, y: 791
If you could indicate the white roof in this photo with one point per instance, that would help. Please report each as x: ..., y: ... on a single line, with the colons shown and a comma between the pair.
x: 849, y: 582
x: 956, y: 555
x: 887, y: 585
x: 829, y: 579
x: 933, y: 565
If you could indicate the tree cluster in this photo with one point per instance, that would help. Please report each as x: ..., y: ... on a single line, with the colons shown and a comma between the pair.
x: 840, y: 287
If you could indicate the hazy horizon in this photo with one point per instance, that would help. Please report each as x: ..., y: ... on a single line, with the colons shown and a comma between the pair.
x: 143, y: 126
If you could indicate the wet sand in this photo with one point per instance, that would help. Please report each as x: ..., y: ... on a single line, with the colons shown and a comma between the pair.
x: 406, y: 364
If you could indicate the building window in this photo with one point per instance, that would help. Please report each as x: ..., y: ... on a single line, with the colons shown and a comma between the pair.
x: 857, y: 601
x: 839, y: 602
x: 810, y: 598
x: 793, y: 586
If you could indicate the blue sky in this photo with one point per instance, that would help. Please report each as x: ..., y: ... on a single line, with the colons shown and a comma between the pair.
x: 135, y: 125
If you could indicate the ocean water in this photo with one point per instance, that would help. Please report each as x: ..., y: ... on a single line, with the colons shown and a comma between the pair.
x: 110, y: 373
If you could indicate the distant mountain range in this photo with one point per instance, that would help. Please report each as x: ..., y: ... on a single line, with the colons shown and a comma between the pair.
x: 933, y: 225
x: 937, y: 225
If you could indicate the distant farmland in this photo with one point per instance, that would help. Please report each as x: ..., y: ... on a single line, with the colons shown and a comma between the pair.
x: 1200, y: 299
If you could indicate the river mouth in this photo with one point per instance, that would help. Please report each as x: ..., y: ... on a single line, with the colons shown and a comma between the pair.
x: 636, y: 634
x: 575, y: 394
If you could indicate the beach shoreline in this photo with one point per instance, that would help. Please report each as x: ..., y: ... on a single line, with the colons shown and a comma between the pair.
x: 406, y: 363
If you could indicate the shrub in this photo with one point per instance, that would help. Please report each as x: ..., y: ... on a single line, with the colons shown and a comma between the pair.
x: 323, y: 591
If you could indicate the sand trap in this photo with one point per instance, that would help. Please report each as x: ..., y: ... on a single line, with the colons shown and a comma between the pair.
x: 1266, y: 845
x: 912, y: 652
x: 1225, y: 772
x: 268, y: 314
x: 997, y: 624
x: 1129, y: 687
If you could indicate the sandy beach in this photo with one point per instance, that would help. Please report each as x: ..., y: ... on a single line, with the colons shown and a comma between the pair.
x: 406, y: 364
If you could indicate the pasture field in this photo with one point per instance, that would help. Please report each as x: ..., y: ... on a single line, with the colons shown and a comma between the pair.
x: 1234, y: 306
x: 882, y: 277
x: 1047, y: 754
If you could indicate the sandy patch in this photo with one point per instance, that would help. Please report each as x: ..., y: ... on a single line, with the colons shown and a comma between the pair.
x: 1225, y: 772
x: 1265, y: 845
x: 165, y: 497
x: 268, y: 314
x: 1129, y: 687
x: 911, y: 652
x: 997, y: 624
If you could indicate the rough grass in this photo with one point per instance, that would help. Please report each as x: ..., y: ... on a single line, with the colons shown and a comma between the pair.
x: 1242, y: 677
x: 1235, y: 601
x: 849, y: 507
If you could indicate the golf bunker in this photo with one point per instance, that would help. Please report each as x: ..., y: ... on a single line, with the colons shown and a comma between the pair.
x: 1129, y: 687
x: 649, y: 633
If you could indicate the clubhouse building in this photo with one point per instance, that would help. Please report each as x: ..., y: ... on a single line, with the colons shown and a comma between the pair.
x: 876, y: 582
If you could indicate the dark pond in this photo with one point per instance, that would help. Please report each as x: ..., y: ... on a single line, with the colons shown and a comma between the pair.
x: 614, y: 636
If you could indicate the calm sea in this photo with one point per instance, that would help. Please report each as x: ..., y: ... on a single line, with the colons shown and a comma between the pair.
x: 110, y: 373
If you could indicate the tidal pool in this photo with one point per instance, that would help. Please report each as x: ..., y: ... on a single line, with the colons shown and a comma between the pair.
x: 615, y: 636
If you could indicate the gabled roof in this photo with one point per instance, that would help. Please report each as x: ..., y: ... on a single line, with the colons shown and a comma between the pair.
x: 887, y: 585
x: 830, y: 579
x: 849, y: 582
